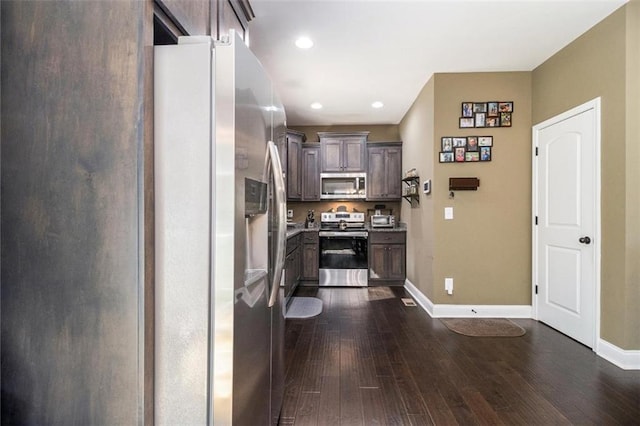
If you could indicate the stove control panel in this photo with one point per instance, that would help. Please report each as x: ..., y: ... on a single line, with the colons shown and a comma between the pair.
x: 341, y: 217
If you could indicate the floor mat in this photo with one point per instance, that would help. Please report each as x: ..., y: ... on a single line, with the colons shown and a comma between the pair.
x: 304, y: 307
x: 484, y: 327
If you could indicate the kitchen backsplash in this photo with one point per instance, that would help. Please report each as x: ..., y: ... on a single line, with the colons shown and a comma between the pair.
x: 300, y: 208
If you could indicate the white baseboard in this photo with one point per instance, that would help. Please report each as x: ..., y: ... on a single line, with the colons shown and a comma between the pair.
x: 422, y: 300
x: 625, y: 359
x: 467, y: 311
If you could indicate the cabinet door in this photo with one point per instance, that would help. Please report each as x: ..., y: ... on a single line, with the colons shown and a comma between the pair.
x: 353, y: 155
x: 298, y: 265
x: 377, y: 261
x: 310, y: 262
x: 393, y: 173
x: 289, y: 274
x: 376, y: 176
x: 331, y: 155
x: 294, y: 180
x: 396, y: 262
x: 310, y: 174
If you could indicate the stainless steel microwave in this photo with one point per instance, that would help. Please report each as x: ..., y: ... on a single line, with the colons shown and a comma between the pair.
x: 343, y: 186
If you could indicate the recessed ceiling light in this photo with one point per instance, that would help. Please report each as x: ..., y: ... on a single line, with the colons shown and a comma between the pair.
x: 377, y: 104
x: 304, y: 43
x: 316, y: 105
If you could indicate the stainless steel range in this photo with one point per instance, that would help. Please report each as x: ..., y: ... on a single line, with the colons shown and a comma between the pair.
x: 343, y: 249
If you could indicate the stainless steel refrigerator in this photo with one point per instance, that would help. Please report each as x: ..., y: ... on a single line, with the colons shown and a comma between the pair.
x: 220, y: 236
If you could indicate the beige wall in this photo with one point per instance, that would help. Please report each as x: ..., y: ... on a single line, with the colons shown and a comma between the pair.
x: 416, y: 129
x: 633, y: 176
x: 486, y: 249
x: 595, y: 65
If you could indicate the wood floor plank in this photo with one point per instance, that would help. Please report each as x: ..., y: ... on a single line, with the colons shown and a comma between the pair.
x: 373, y: 406
x: 366, y: 368
x: 330, y: 402
x: 408, y: 389
x: 350, y: 398
x: 485, y: 414
x: 308, y: 409
x: 393, y: 406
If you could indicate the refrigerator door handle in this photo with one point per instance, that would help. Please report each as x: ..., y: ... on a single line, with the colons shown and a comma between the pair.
x: 275, y: 166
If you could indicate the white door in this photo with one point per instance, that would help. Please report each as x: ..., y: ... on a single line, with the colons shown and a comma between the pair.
x: 566, y: 208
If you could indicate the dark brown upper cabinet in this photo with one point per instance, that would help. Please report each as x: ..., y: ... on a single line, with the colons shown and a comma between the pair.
x: 384, y: 171
x: 310, y: 173
x: 343, y: 152
x: 294, y: 157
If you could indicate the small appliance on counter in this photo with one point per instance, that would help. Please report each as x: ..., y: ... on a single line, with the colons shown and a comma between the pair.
x: 383, y: 221
x: 381, y: 217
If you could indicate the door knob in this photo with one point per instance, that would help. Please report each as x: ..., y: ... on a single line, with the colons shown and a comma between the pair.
x: 585, y: 240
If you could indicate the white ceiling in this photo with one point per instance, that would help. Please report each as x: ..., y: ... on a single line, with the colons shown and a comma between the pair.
x: 372, y: 50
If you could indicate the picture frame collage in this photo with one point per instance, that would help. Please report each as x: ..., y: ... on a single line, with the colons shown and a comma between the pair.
x: 465, y: 149
x: 486, y: 114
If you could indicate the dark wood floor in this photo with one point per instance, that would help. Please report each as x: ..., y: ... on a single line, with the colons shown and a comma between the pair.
x: 369, y: 360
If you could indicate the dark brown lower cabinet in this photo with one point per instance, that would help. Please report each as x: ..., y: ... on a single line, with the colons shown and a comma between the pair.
x: 292, y: 266
x: 310, y: 258
x: 302, y: 261
x: 387, y: 258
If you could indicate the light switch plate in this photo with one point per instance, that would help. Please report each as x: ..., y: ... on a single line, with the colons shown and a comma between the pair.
x: 448, y: 213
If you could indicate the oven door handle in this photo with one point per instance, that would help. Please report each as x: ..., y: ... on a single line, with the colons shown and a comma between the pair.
x: 273, y: 165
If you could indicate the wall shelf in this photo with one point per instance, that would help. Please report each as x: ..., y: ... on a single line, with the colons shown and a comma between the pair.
x: 413, y: 187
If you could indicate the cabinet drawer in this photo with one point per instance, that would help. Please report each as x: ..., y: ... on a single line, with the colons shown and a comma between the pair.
x: 310, y: 237
x: 387, y: 237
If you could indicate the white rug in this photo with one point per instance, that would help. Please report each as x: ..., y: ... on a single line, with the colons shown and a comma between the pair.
x: 304, y: 307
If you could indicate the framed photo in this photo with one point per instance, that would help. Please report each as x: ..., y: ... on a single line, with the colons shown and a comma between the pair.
x: 485, y: 140
x: 505, y: 119
x: 479, y: 107
x: 459, y: 142
x: 505, y: 106
x: 467, y: 109
x: 492, y: 109
x: 447, y: 144
x: 492, y: 122
x: 480, y: 119
x: 472, y: 156
x: 485, y: 153
x: 466, y: 122
x: 472, y: 143
x: 446, y: 157
x: 459, y: 155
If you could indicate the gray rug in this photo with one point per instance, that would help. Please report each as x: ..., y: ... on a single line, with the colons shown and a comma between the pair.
x: 484, y: 327
x: 304, y: 307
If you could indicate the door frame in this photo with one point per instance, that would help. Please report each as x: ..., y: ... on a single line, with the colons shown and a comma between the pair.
x: 594, y: 104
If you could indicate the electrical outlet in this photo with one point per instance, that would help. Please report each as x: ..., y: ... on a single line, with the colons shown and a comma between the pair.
x: 448, y: 285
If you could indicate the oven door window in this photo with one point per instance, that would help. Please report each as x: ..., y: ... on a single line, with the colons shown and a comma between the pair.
x: 343, y: 252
